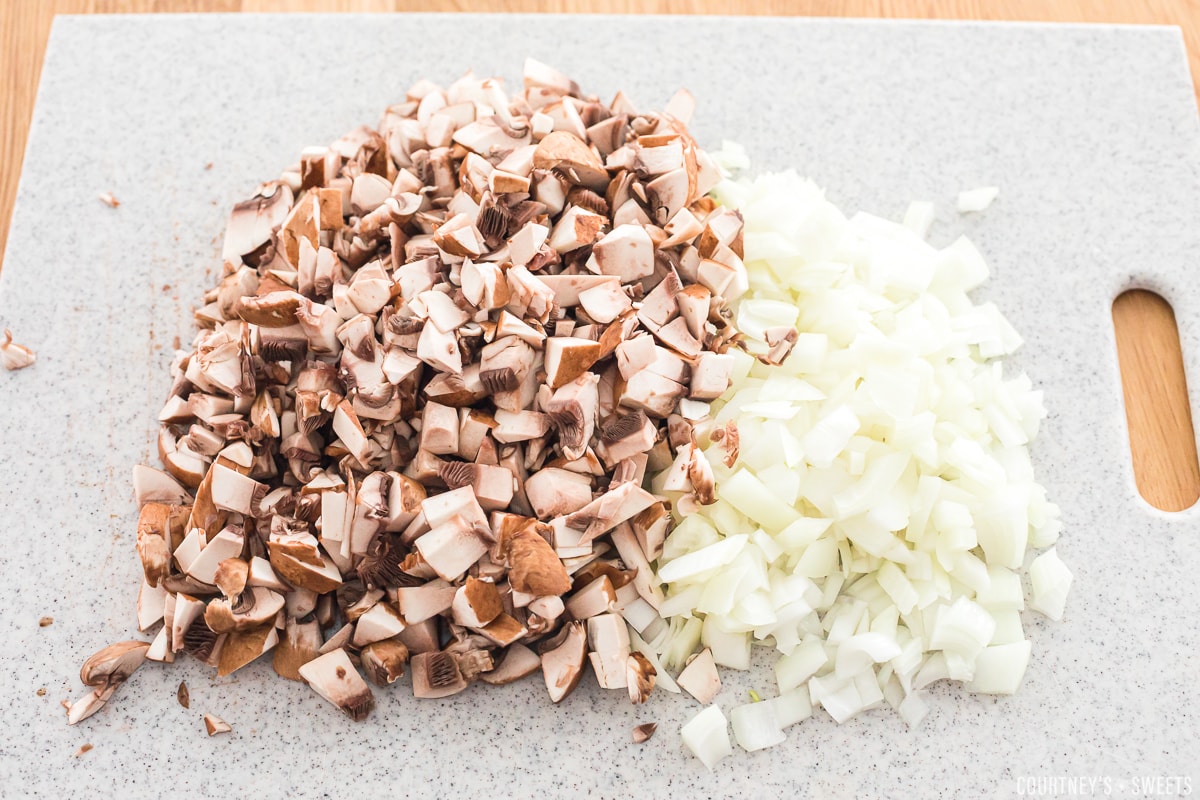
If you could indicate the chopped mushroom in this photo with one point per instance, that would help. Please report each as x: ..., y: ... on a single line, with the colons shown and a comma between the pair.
x: 518, y: 662
x: 700, y: 678
x: 334, y: 678
x: 379, y: 623
x: 105, y: 671
x: 642, y: 733
x: 214, y: 725
x: 639, y: 677
x: 608, y: 641
x: 476, y: 603
x: 436, y: 675
x: 597, y: 597
x: 534, y: 567
x: 249, y: 610
x: 384, y: 661
x: 562, y: 660
x: 239, y: 647
x: 422, y: 401
x: 15, y: 356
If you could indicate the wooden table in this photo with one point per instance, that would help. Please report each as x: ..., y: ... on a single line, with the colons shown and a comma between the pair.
x: 1162, y: 439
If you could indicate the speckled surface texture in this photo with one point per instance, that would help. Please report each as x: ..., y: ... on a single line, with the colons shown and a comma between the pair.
x: 1090, y: 131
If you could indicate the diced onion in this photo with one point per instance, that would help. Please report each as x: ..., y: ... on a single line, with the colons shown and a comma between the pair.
x: 999, y: 669
x: 794, y: 670
x: 912, y: 709
x: 977, y: 199
x: 704, y: 560
x: 963, y: 628
x: 756, y: 725
x: 873, y: 523
x: 864, y: 650
x: 919, y: 216
x: 791, y: 707
x: 729, y: 648
x: 1051, y: 580
x: 707, y: 736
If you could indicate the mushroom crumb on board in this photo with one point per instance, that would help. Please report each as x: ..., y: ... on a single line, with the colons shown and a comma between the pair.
x: 183, y: 695
x: 415, y: 423
x: 105, y: 671
x: 15, y: 356
x: 109, y: 200
x: 214, y: 725
x: 642, y: 733
x: 45, y: 622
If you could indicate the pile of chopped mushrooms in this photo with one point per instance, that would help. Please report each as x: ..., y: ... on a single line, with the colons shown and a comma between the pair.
x: 414, y: 426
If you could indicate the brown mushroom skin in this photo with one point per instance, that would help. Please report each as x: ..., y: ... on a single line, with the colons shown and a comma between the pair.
x: 383, y: 662
x: 106, y: 670
x: 640, y: 677
x: 153, y: 541
x: 113, y: 665
x: 299, y: 645
x: 535, y: 567
x: 242, y: 647
x: 642, y: 733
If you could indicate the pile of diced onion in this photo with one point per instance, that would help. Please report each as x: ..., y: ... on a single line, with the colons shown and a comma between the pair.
x: 882, y: 507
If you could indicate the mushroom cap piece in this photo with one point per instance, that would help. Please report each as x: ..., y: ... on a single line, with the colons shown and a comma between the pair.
x: 15, y: 356
x: 334, y: 678
x: 105, y: 671
x: 251, y: 609
x: 384, y: 661
x: 113, y: 665
x: 517, y: 662
x: 436, y: 674
x: 700, y: 678
x: 299, y: 645
x: 639, y: 677
x: 562, y: 660
x: 214, y: 725
x: 567, y: 153
x: 535, y: 567
x: 642, y: 733
x: 476, y: 603
x: 239, y: 648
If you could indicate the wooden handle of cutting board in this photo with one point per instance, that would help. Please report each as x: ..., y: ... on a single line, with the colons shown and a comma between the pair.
x: 1162, y: 439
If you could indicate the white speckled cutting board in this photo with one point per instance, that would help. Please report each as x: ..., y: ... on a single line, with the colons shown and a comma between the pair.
x: 1092, y: 135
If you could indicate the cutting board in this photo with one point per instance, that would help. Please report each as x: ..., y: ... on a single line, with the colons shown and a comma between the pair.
x: 1092, y: 135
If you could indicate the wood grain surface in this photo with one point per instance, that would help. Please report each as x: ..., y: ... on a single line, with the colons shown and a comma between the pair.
x: 1161, y: 436
x: 1162, y: 439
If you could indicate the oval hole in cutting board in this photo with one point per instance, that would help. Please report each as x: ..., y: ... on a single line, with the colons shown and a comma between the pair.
x: 1162, y: 440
